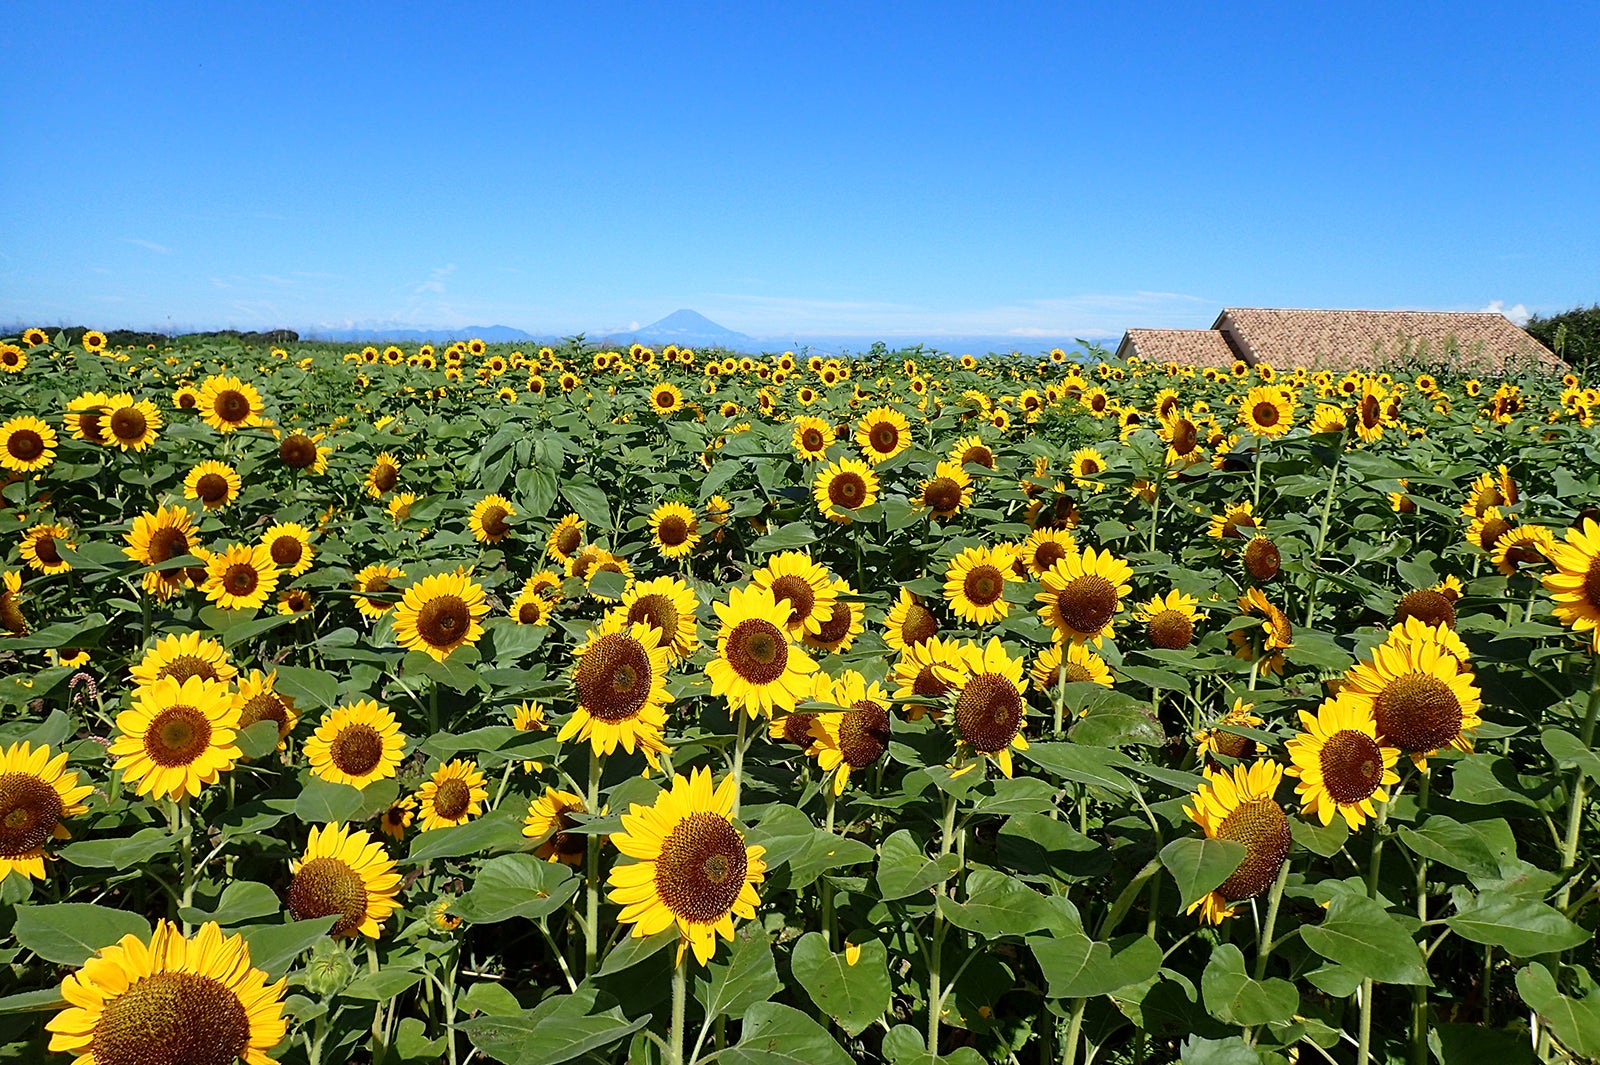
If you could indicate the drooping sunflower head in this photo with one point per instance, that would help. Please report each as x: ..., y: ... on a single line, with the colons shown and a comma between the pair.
x: 1239, y: 805
x: 757, y: 668
x: 1520, y: 548
x: 1262, y: 559
x: 440, y: 613
x: 1214, y: 741
x: 177, y: 737
x: 343, y: 872
x: 1342, y: 765
x: 857, y: 738
x: 1082, y: 595
x: 1274, y: 635
x: 1169, y: 620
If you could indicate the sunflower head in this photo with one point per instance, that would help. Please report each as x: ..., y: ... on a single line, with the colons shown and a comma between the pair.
x: 440, y: 613
x: 1238, y: 805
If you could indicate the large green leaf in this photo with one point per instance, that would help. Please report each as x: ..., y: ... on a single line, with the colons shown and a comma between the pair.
x: 240, y: 901
x: 775, y: 1034
x: 1082, y: 763
x: 494, y: 832
x: 854, y: 993
x: 903, y: 869
x: 1233, y: 997
x: 997, y: 905
x: 559, y: 1029
x: 69, y: 932
x: 1574, y: 1021
x: 1524, y: 928
x: 1200, y: 865
x: 1360, y: 936
x: 516, y: 885
x: 1076, y: 966
x: 1460, y: 846
x: 322, y: 801
x: 746, y: 975
x: 274, y: 947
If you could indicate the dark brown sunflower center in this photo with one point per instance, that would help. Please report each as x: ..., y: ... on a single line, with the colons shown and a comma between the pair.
x: 530, y: 611
x: 91, y: 424
x: 44, y: 546
x: 1047, y: 554
x: 989, y: 712
x: 613, y: 677
x: 376, y: 585
x: 187, y: 400
x: 811, y: 439
x: 1418, y: 712
x: 287, y: 550
x: 1492, y: 530
x: 847, y: 490
x: 211, y: 488
x: 568, y: 540
x: 1087, y: 603
x: 241, y: 579
x: 1098, y: 402
x: 928, y: 684
x: 1233, y: 745
x: 701, y: 869
x: 1184, y: 436
x: 452, y: 799
x: 984, y: 585
x: 1352, y: 766
x: 297, y: 451
x: 494, y: 521
x: 128, y: 423
x: 582, y: 564
x: 265, y: 707
x: 443, y: 621
x: 1088, y: 467
x: 30, y: 810
x: 672, y: 531
x: 664, y: 398
x: 25, y: 445
x: 797, y: 729
x: 166, y: 544
x: 356, y: 750
x: 864, y: 734
x: 1262, y: 560
x: 1261, y: 826
x: 1073, y: 673
x: 1265, y: 415
x: 798, y: 593
x: 837, y: 625
x: 178, y: 735
x: 980, y: 455
x: 1591, y: 583
x: 172, y: 1018
x: 1429, y: 606
x: 327, y: 886
x: 919, y: 625
x: 569, y: 845
x: 1371, y: 412
x: 757, y: 650
x: 182, y: 667
x: 232, y: 405
x: 1170, y: 629
x: 885, y: 437
x: 941, y: 495
x: 384, y: 476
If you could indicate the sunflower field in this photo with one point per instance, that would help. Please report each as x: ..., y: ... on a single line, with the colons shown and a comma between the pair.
x: 470, y: 704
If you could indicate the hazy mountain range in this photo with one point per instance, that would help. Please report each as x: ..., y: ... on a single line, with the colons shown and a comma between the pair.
x: 688, y: 328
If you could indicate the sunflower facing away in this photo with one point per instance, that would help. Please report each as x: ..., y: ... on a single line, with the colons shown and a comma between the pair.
x: 344, y: 872
x: 844, y: 487
x: 757, y: 669
x: 177, y: 737
x: 181, y: 656
x: 37, y: 792
x: 1342, y: 764
x: 177, y: 1001
x: 691, y: 866
x: 674, y: 530
x: 855, y: 739
x: 490, y: 520
x: 452, y: 796
x: 242, y: 577
x: 1421, y: 696
x: 620, y: 683
x: 800, y: 584
x: 356, y: 745
x: 1238, y: 805
x: 975, y: 583
x: 228, y: 404
x: 1575, y: 584
x: 549, y: 819
x: 439, y: 613
x: 989, y: 712
x: 1082, y: 595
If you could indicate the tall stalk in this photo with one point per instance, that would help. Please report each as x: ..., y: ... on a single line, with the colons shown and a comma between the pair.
x: 936, y: 939
x: 1322, y: 531
x: 591, y: 872
x: 1374, y: 864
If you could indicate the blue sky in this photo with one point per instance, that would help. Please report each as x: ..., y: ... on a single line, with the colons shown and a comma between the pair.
x: 1038, y: 170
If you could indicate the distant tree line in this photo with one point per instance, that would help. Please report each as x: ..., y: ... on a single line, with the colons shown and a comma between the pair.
x: 125, y: 338
x: 1573, y: 335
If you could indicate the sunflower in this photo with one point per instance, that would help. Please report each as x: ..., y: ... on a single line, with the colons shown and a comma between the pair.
x: 440, y: 613
x: 620, y: 684
x: 1328, y: 418
x: 546, y: 584
x: 1525, y: 545
x: 811, y: 437
x: 606, y: 562
x: 756, y: 667
x: 289, y: 544
x: 399, y: 507
x: 1081, y: 666
x: 227, y: 404
x: 1234, y: 517
x: 37, y: 792
x: 844, y: 486
x: 343, y: 872
x: 1215, y: 741
x: 177, y: 736
x: 214, y: 484
x: 946, y: 493
x: 382, y: 476
x: 975, y: 580
x: 1262, y: 559
x: 882, y: 433
x: 674, y: 530
x: 134, y: 425
x: 489, y: 519
x: 909, y: 622
x: 1267, y: 411
x: 181, y: 656
x: 1085, y: 464
x: 1487, y: 528
x: 394, y: 821
x: 1182, y: 437
x: 668, y: 605
x: 243, y: 577
x: 550, y: 819
x: 692, y: 865
x: 1238, y: 805
x: 585, y: 559
x: 374, y: 581
x: 841, y: 627
x: 1169, y: 622
x: 529, y: 609
x: 1276, y: 633
x: 1575, y: 584
x: 12, y: 359
x: 93, y: 340
x: 178, y: 1000
x: 41, y: 548
x: 12, y: 619
x: 1082, y: 595
x: 990, y: 711
x: 34, y: 337
x: 257, y: 702
x: 1491, y: 489
x: 971, y: 450
x: 1045, y: 547
x: 299, y: 452
x: 453, y: 796
x: 1342, y: 764
x: 855, y: 739
x: 665, y: 398
x: 356, y: 744
x: 802, y: 585
x: 26, y: 444
x: 1419, y: 693
x: 85, y: 418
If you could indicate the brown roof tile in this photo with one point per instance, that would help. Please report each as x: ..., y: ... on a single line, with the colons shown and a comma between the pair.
x: 1193, y: 347
x: 1480, y: 342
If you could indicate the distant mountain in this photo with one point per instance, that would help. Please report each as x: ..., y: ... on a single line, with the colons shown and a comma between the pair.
x: 688, y: 328
x: 491, y: 334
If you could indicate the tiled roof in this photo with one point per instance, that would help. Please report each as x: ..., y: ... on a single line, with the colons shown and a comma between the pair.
x: 1192, y: 347
x: 1483, y: 342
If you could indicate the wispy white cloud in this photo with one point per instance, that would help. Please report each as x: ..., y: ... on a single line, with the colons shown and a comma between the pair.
x: 1517, y: 312
x: 436, y: 280
x: 148, y: 245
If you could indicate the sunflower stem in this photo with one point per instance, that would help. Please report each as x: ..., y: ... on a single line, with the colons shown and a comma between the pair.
x: 1569, y: 847
x: 184, y: 829
x: 739, y: 741
x: 1419, y: 992
x: 1069, y: 1043
x: 680, y: 987
x: 828, y: 935
x: 1322, y: 532
x: 936, y: 940
x: 1364, y: 1045
x: 1273, y: 902
x: 591, y: 863
x: 1155, y: 516
x: 433, y: 708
